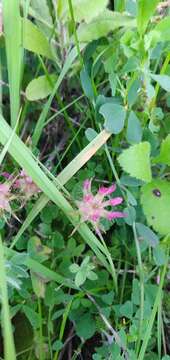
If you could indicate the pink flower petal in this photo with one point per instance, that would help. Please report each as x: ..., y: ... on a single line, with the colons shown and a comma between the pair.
x: 4, y: 189
x: 106, y: 191
x: 7, y: 175
x: 87, y: 198
x: 87, y: 185
x: 95, y: 216
x: 23, y: 173
x: 115, y: 214
x: 115, y: 201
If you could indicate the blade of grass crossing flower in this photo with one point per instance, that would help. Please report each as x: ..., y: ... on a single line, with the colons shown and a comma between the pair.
x: 71, y: 169
x: 42, y: 119
x: 13, y: 41
x: 9, y: 348
x: 24, y: 157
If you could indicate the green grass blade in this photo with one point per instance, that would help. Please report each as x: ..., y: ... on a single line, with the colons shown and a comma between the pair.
x: 13, y: 40
x: 147, y: 335
x: 42, y: 119
x: 70, y: 170
x: 23, y: 156
x: 9, y: 348
x: 6, y: 147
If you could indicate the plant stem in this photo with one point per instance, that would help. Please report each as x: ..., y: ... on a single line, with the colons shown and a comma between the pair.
x: 157, y: 87
x: 108, y: 255
x: 9, y: 348
x: 40, y: 330
x: 154, y: 311
x: 141, y: 287
x: 159, y: 328
x: 63, y: 325
x: 112, y: 166
x: 75, y: 32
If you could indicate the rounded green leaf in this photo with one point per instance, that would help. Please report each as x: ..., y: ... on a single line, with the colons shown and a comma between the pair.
x: 40, y: 88
x: 155, y: 200
x: 114, y: 116
x: 136, y: 161
x: 80, y: 278
x: 85, y: 326
x: 34, y: 40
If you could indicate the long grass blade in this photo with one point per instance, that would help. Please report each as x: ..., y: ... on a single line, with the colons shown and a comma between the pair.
x: 42, y: 119
x: 153, y: 313
x: 9, y: 348
x: 14, y: 52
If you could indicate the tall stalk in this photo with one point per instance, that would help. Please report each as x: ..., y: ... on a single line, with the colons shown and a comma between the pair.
x: 9, y: 348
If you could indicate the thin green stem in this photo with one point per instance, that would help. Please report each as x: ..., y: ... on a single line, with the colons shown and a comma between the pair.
x: 74, y: 31
x: 68, y: 147
x: 9, y: 348
x: 49, y: 333
x: 63, y: 325
x: 40, y: 330
x: 157, y: 87
x: 112, y: 165
x: 110, y: 261
x: 154, y: 311
x: 159, y: 328
x: 123, y: 283
x: 140, y: 266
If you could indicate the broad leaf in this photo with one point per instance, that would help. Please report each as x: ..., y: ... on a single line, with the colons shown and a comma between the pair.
x: 147, y: 234
x: 86, y: 83
x: 162, y: 28
x: 164, y: 156
x: 90, y: 134
x: 34, y: 40
x: 86, y: 326
x: 114, y: 116
x: 134, y: 129
x: 162, y: 80
x: 87, y: 9
x: 127, y: 309
x: 84, y: 10
x: 159, y: 255
x: 103, y: 24
x: 155, y: 200
x: 41, y: 10
x: 136, y: 161
x: 133, y: 92
x: 145, y: 11
x: 31, y: 315
x: 40, y: 87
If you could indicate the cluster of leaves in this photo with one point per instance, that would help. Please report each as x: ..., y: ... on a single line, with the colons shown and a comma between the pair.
x: 105, y: 72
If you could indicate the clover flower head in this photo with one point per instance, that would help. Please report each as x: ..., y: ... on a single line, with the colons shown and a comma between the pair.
x: 93, y: 208
x: 26, y: 185
x: 5, y: 195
